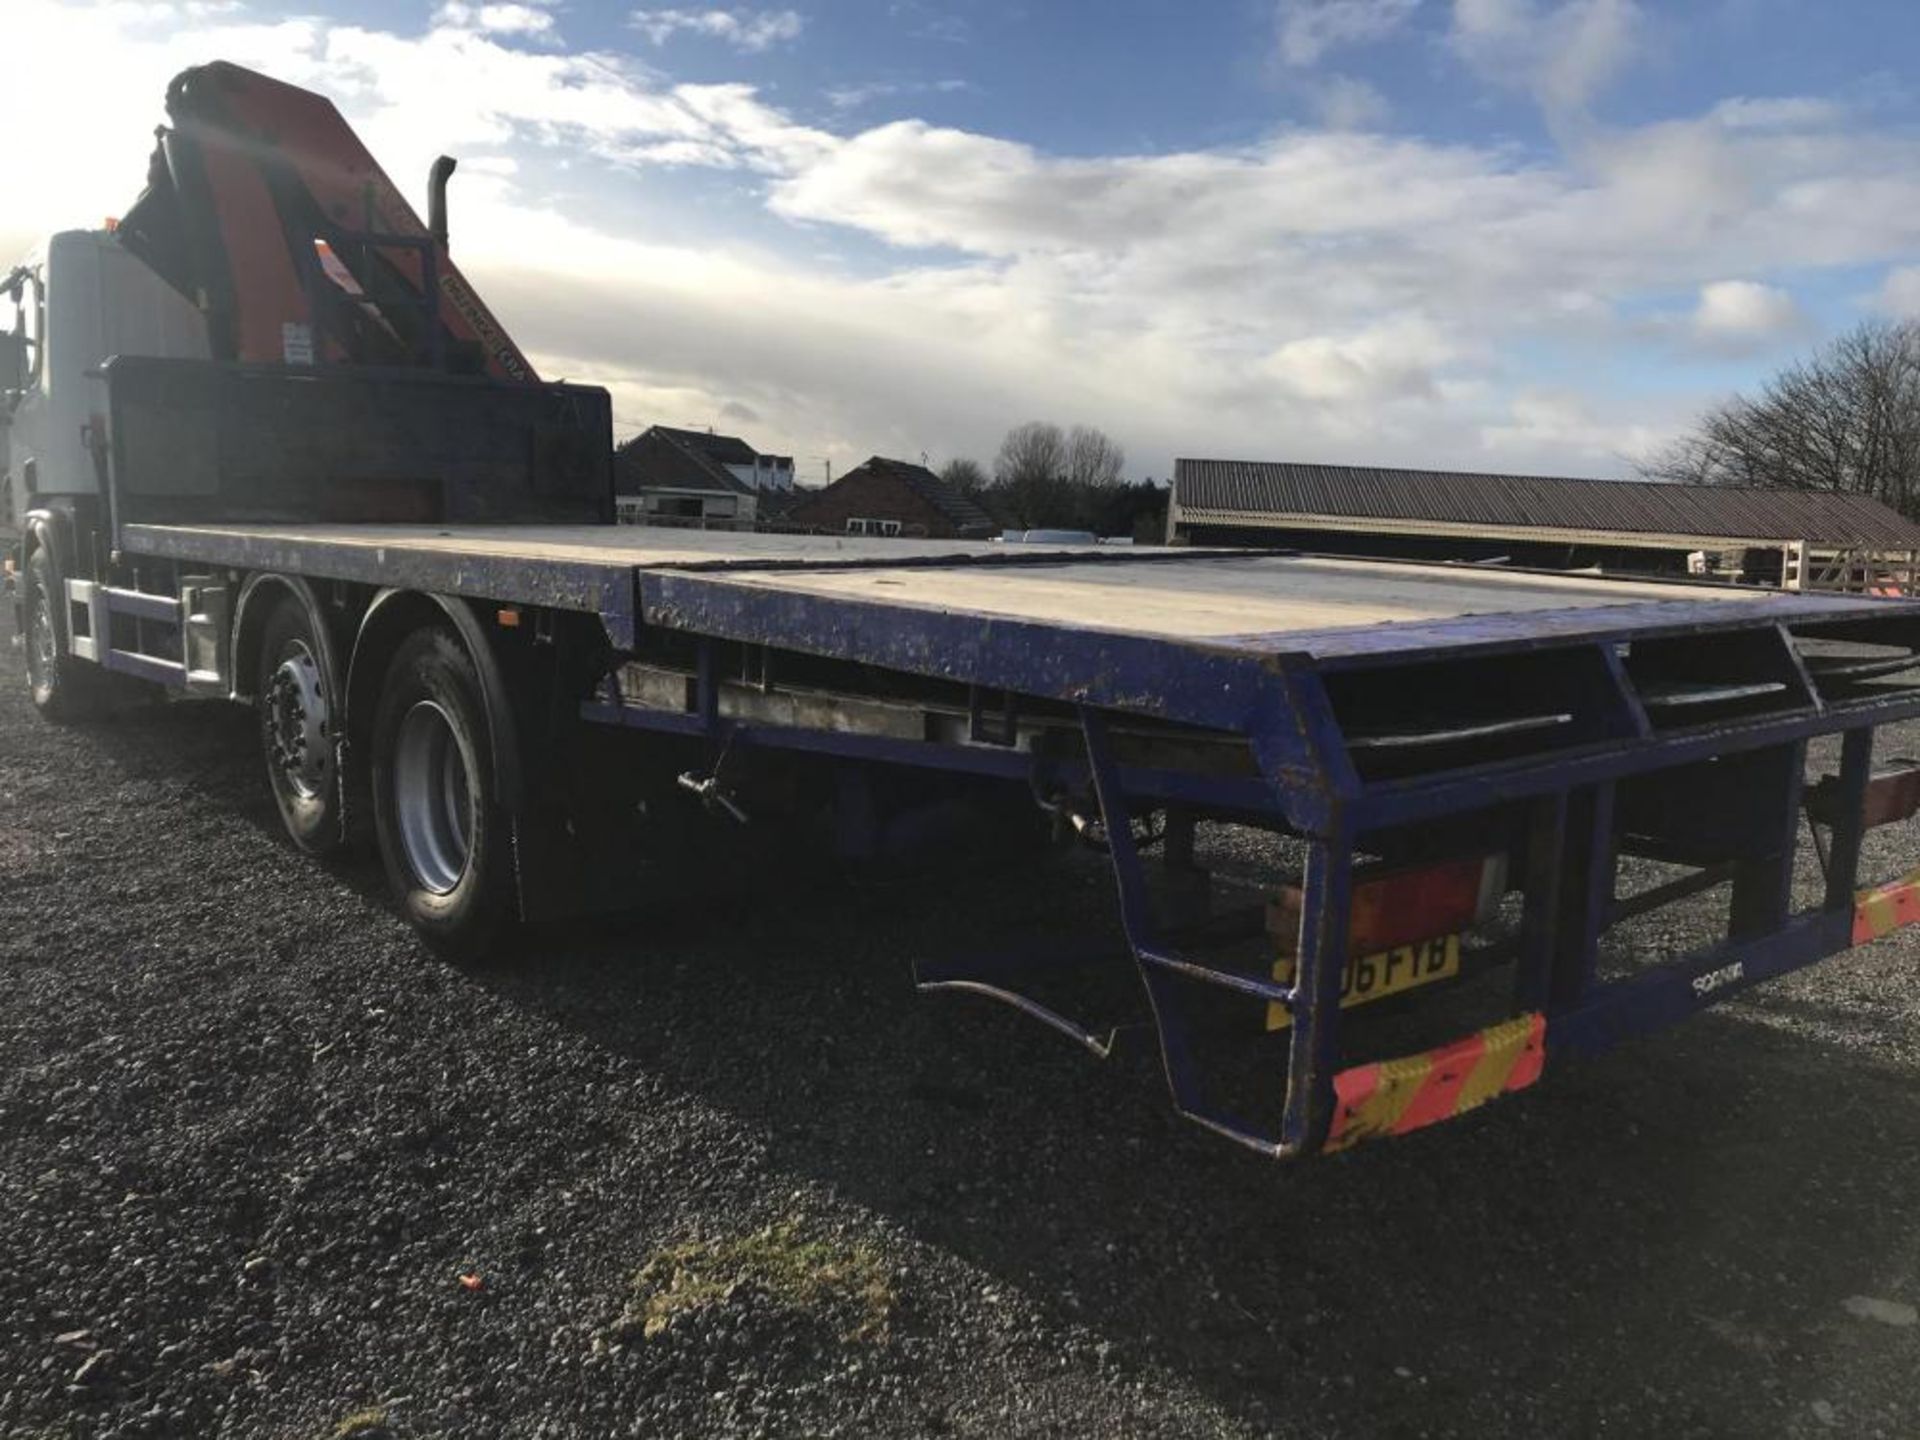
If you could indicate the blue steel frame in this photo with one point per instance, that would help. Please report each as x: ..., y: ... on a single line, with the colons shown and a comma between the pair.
x: 1272, y: 692
x: 1266, y: 690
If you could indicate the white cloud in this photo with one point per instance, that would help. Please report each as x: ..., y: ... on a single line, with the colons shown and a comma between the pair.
x: 852, y: 97
x: 1564, y: 54
x: 919, y: 185
x: 1352, y: 296
x: 743, y: 29
x: 496, y: 19
x: 1305, y: 30
x: 922, y: 21
x: 1346, y: 103
x: 1563, y: 424
x: 1743, y: 314
x: 1395, y: 360
x: 1779, y: 112
x: 1900, y: 292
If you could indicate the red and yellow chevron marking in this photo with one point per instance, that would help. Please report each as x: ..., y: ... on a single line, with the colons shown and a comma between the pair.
x: 1885, y: 908
x: 1391, y: 1097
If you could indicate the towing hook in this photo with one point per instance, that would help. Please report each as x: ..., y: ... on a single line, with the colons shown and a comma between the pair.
x: 707, y: 788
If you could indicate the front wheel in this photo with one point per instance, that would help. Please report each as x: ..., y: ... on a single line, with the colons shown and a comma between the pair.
x: 443, y: 838
x: 63, y: 686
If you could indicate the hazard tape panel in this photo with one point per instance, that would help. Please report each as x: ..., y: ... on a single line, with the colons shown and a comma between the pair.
x: 1392, y: 1097
x: 1885, y: 908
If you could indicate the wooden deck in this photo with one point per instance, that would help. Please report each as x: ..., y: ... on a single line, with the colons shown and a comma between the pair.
x: 1177, y: 595
x: 1215, y: 595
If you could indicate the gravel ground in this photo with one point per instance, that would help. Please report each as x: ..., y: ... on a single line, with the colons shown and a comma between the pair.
x: 268, y: 1169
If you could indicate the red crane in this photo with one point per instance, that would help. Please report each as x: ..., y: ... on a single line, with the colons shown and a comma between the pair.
x: 264, y: 209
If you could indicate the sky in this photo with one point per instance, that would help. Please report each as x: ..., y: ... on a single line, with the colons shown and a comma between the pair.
x: 1520, y: 235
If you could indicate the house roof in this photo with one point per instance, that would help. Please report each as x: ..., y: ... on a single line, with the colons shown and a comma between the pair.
x: 1441, y: 501
x: 964, y: 513
x: 726, y: 449
x: 661, y: 458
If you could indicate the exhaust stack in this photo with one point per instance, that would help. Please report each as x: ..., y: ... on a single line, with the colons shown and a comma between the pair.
x: 437, y: 178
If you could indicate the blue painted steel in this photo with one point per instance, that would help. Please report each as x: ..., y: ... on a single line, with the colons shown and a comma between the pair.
x: 603, y: 588
x: 1278, y: 693
x: 1638, y: 724
x: 1313, y: 1053
x: 1763, y: 883
x: 1475, y: 787
x: 1843, y: 857
x: 1541, y: 885
x: 1802, y: 678
x: 1295, y: 736
x: 1250, y: 799
x: 1671, y: 992
x: 1510, y: 632
x: 1586, y: 895
x: 1187, y: 683
x: 1196, y: 684
x: 1281, y: 706
x: 634, y: 717
x: 1136, y: 919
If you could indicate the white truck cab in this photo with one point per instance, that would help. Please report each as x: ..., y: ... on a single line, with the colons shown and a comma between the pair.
x: 75, y: 302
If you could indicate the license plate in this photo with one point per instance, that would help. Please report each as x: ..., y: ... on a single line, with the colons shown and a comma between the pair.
x: 1376, y: 976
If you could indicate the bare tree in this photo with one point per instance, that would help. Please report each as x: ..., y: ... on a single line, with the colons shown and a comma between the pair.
x: 1845, y: 418
x: 1033, y: 451
x: 1093, y: 459
x: 966, y: 476
x: 1029, y: 475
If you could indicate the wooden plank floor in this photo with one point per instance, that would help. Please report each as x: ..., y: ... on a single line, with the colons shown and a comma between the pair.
x: 1214, y: 596
x: 1178, y: 595
x: 628, y: 545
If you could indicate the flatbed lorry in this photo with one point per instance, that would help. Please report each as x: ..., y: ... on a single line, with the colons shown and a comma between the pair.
x: 271, y: 448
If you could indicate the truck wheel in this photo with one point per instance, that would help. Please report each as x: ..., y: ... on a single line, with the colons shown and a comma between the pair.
x: 62, y: 690
x: 297, y: 728
x: 443, y: 838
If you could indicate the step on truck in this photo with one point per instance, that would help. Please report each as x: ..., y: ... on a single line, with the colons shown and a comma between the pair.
x: 268, y: 445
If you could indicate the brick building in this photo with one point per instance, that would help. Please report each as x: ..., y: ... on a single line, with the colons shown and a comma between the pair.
x: 893, y: 497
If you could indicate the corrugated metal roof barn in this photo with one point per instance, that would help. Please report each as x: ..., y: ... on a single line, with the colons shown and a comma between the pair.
x: 1284, y: 495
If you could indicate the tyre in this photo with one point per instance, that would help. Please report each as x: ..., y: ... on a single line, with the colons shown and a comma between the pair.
x: 64, y: 688
x: 298, y: 702
x: 444, y: 840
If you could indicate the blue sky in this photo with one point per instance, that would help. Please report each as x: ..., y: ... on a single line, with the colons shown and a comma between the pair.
x: 1505, y: 234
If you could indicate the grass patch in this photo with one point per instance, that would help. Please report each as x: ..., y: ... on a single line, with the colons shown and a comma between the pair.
x: 369, y: 1424
x: 848, y: 1284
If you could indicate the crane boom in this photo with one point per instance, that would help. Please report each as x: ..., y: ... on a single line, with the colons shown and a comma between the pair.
x: 265, y: 210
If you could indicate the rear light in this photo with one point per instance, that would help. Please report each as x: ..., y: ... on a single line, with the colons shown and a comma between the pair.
x: 1399, y: 907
